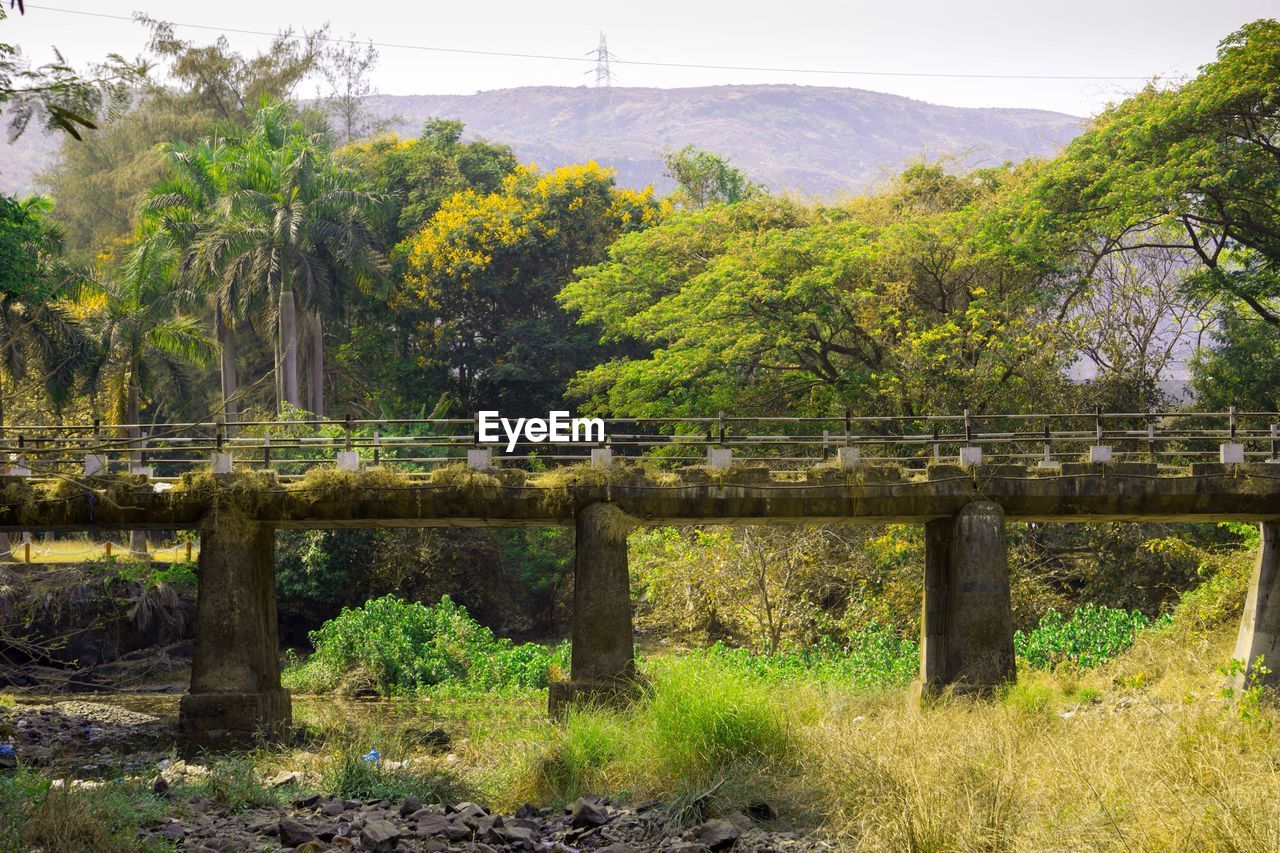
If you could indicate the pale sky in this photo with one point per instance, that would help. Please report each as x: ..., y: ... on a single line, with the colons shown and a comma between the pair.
x: 1169, y: 38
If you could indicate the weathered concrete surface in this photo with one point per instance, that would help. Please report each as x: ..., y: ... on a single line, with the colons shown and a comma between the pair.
x: 602, y: 666
x: 967, y: 624
x: 1080, y: 492
x: 235, y: 695
x: 1260, y: 624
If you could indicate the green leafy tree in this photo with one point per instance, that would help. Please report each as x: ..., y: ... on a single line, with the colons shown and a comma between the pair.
x: 485, y: 271
x: 1241, y: 366
x: 910, y: 302
x: 704, y: 178
x: 99, y: 182
x: 1203, y: 156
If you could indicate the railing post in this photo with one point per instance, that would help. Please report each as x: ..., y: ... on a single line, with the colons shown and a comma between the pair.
x: 1097, y: 424
x: 347, y: 428
x: 968, y: 429
x: 721, y: 418
x: 377, y: 449
x: 266, y: 451
x: 1231, y: 422
x: 1275, y: 442
x: 1151, y: 440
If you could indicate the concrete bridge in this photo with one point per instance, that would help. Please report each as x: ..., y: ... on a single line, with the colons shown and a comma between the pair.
x: 964, y: 505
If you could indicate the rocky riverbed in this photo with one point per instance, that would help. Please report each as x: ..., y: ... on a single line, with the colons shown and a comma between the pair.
x: 326, y: 823
x: 86, y: 745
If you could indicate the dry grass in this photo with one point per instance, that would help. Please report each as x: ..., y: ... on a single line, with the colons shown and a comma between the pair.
x: 65, y: 551
x: 1143, y: 755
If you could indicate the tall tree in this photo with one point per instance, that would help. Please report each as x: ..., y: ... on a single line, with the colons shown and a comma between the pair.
x: 39, y: 337
x: 1203, y: 156
x: 290, y: 229
x: 485, y: 271
x: 914, y: 301
x: 704, y: 178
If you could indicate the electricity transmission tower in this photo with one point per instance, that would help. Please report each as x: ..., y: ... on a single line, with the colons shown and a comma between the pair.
x: 604, y: 74
x: 603, y: 97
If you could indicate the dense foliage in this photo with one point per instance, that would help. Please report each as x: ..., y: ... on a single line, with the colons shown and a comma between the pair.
x: 1091, y: 636
x: 407, y: 647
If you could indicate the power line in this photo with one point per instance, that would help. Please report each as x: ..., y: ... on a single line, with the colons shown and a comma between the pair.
x: 638, y: 62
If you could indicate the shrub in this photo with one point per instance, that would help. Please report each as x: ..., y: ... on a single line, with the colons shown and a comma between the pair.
x: 699, y: 724
x: 873, y: 657
x: 1093, y: 635
x: 405, y: 647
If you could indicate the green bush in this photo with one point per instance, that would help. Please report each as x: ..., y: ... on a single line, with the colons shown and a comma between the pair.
x: 1093, y: 635
x: 874, y: 657
x: 698, y: 723
x: 405, y: 647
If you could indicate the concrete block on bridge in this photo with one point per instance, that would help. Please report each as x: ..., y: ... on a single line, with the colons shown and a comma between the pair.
x: 479, y: 458
x: 220, y: 463
x: 601, y: 457
x: 1100, y: 453
x: 1231, y: 454
x: 847, y: 457
x: 95, y: 465
x: 348, y: 460
x: 971, y: 456
x: 719, y: 457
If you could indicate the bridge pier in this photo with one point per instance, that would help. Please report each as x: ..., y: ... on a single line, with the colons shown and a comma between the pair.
x: 235, y: 696
x: 602, y: 664
x: 966, y: 641
x: 1260, y: 625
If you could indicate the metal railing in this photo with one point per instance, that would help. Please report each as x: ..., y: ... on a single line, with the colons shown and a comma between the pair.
x: 292, y: 447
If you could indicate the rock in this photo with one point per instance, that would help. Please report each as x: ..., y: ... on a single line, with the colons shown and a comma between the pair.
x: 762, y: 811
x: 293, y: 833
x: 285, y: 777
x: 586, y: 813
x: 173, y: 831
x: 332, y: 809
x: 519, y: 836
x: 306, y: 802
x: 410, y: 805
x: 471, y: 809
x: 617, y: 847
x: 528, y: 810
x: 717, y: 835
x: 739, y: 820
x: 380, y: 835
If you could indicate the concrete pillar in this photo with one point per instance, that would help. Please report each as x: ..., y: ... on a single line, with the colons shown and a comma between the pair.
x: 235, y: 695
x: 1260, y: 625
x: 602, y: 662
x: 966, y: 640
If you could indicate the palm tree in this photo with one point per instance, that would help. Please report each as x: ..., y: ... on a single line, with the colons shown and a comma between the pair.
x: 140, y: 337
x: 181, y: 207
x: 277, y: 226
x: 295, y: 227
x: 39, y: 336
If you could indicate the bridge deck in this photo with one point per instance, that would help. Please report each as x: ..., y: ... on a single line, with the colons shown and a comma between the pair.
x: 868, y: 493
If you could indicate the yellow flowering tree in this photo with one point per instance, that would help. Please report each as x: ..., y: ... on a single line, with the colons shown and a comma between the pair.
x: 484, y: 273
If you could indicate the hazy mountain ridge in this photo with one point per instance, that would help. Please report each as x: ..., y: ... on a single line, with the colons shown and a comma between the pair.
x: 811, y: 140
x: 807, y: 139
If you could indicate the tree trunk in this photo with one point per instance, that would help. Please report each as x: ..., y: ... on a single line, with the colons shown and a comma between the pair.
x: 227, y: 362
x: 316, y: 403
x: 137, y: 538
x: 289, y: 348
x: 6, y: 555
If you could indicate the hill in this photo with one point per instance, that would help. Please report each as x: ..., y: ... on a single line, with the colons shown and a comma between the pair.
x: 815, y: 141
x: 812, y: 140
